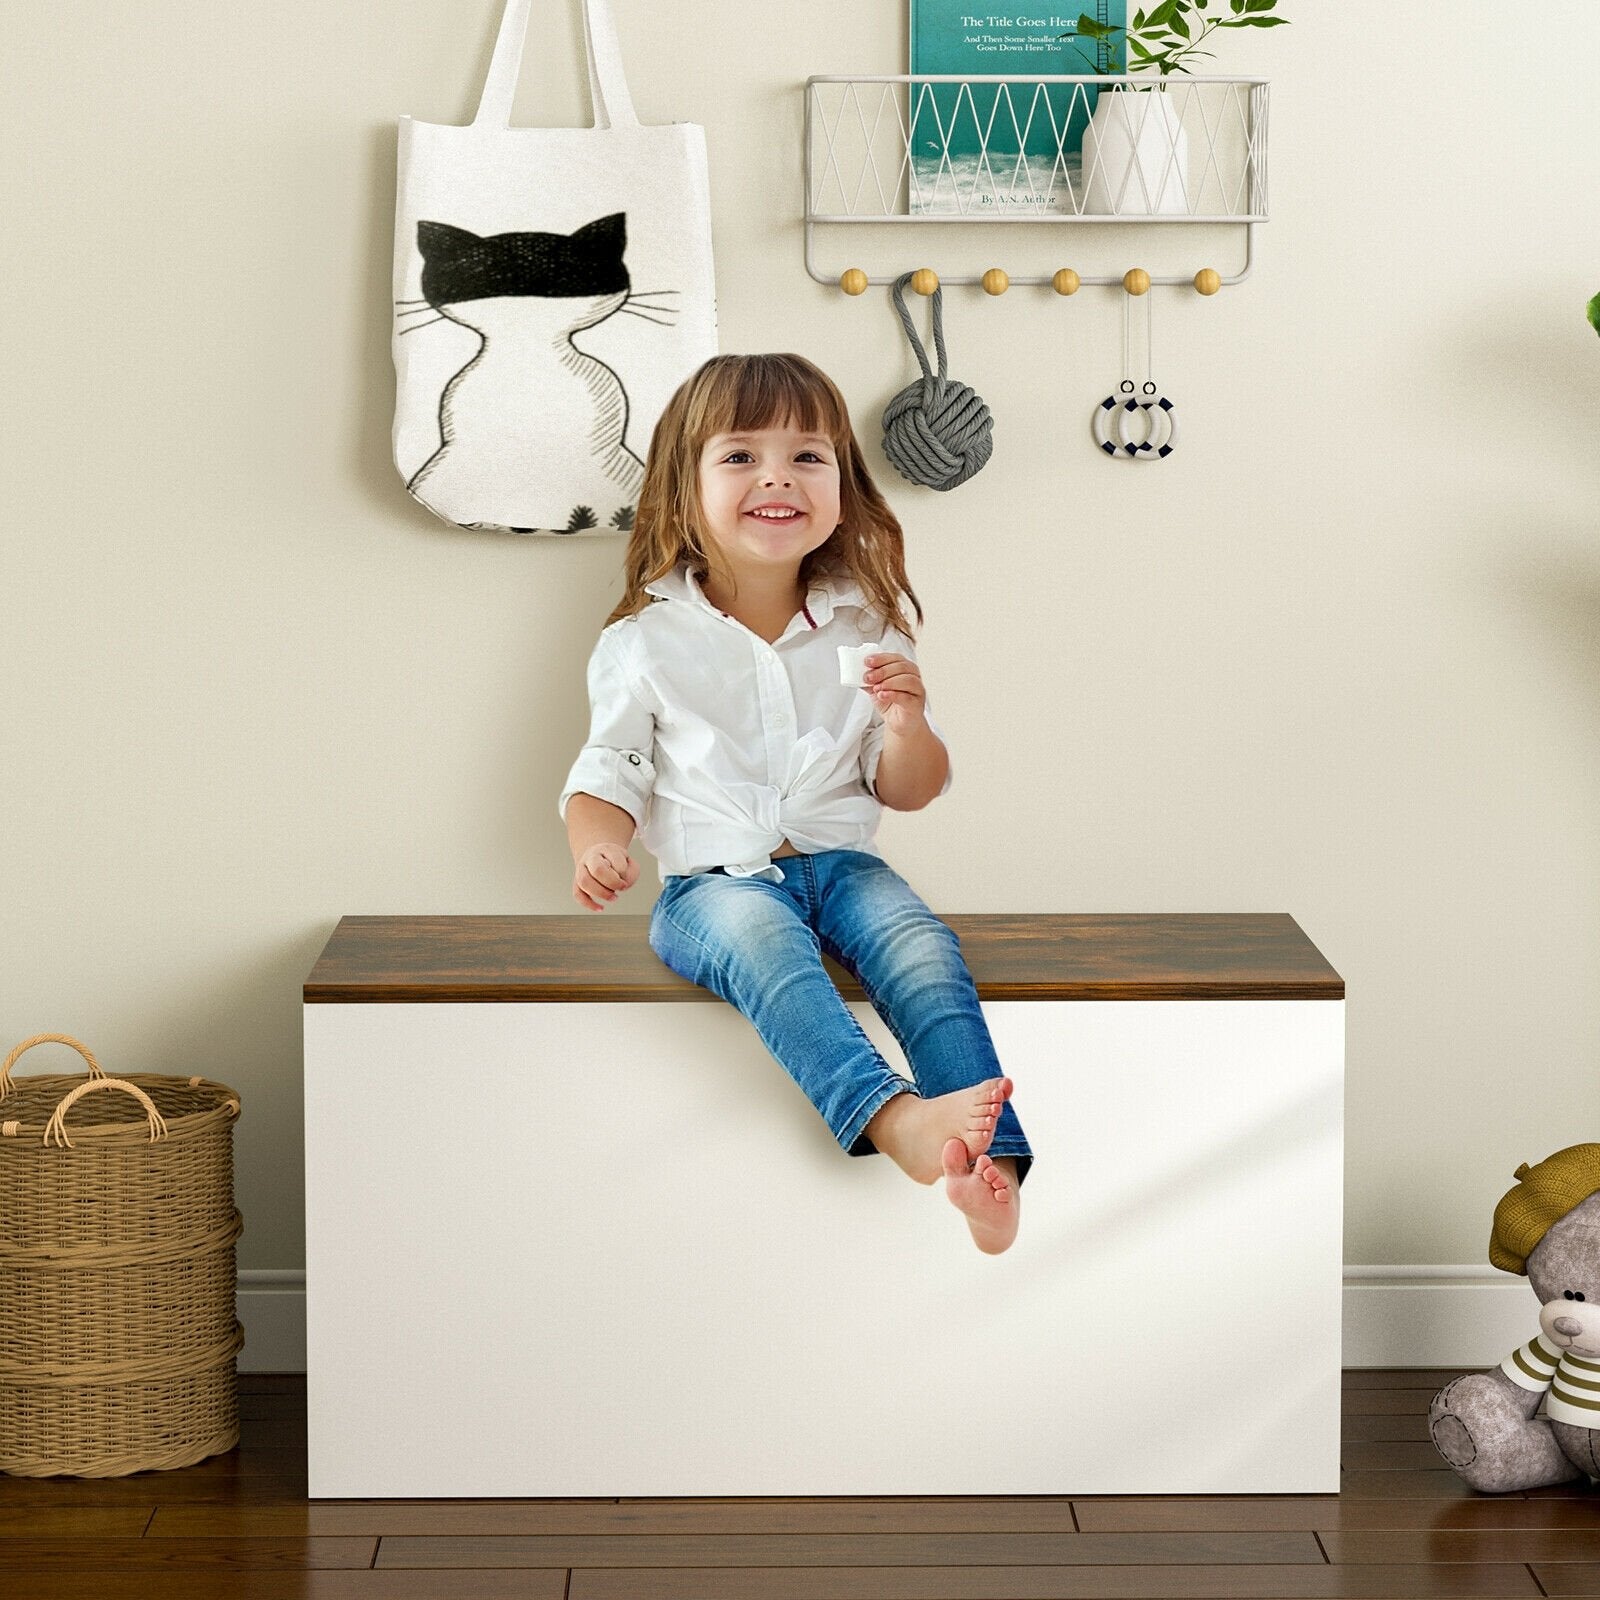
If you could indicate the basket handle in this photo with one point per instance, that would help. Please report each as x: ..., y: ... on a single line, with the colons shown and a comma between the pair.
x: 58, y: 1125
x: 95, y: 1069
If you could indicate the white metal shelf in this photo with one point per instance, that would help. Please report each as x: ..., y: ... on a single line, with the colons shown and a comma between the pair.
x: 1037, y: 151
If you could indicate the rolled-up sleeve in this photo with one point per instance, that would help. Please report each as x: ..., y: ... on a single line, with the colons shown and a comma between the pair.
x: 616, y: 762
x: 872, y: 740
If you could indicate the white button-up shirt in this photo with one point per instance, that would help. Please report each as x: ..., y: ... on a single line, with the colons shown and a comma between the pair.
x: 720, y: 745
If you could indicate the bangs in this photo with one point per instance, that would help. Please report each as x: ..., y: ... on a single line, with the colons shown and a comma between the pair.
x: 743, y: 394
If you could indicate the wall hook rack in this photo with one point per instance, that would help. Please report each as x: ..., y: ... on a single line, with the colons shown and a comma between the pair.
x: 1034, y: 152
x: 1135, y: 280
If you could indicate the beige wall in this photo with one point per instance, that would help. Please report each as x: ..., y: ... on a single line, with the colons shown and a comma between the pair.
x: 1336, y: 657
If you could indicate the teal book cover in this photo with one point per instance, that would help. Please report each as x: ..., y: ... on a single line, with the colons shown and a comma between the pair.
x: 1001, y: 147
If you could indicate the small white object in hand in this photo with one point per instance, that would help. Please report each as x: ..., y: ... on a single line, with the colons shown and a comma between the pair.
x: 853, y: 663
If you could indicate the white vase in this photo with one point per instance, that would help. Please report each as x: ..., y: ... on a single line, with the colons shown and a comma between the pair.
x: 1135, y: 155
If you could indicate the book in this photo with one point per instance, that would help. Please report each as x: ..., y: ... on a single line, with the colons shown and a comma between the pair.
x: 1001, y: 148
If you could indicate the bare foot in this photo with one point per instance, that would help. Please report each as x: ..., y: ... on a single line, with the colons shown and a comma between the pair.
x: 913, y: 1131
x: 986, y: 1196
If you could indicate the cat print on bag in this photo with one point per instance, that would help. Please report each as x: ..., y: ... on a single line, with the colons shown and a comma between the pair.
x: 514, y: 415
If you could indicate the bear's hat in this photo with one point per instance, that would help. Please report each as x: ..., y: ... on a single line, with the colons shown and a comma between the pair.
x: 1545, y: 1193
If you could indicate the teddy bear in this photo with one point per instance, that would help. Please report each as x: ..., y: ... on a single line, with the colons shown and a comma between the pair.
x: 1484, y: 1423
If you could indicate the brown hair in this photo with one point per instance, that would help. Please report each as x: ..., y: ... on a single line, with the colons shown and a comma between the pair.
x: 738, y: 394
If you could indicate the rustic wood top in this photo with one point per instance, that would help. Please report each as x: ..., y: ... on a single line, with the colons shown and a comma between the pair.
x: 597, y: 956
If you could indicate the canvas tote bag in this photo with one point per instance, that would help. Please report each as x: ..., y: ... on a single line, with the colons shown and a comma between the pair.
x: 552, y: 287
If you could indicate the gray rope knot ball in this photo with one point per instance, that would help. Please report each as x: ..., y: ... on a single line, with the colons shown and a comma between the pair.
x: 936, y: 431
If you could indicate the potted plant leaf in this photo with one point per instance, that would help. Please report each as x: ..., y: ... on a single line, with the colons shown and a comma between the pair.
x: 1135, y: 150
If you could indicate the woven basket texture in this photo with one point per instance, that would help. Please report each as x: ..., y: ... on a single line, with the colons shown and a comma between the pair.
x: 118, y: 1334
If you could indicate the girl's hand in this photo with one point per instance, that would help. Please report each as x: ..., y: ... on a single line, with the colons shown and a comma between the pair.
x: 604, y: 872
x: 895, y: 684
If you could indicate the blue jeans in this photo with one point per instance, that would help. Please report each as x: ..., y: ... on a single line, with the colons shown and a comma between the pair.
x: 758, y: 945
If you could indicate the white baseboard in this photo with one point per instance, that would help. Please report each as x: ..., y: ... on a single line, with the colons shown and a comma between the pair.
x: 1423, y: 1316
x: 1435, y: 1316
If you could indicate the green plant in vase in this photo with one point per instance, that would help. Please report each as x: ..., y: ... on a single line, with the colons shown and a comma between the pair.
x: 1135, y: 162
x: 1594, y: 313
x: 1163, y: 39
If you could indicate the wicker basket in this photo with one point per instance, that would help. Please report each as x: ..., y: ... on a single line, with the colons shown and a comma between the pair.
x: 117, y: 1327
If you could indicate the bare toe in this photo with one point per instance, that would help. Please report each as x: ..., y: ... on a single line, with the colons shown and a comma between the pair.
x: 995, y: 1178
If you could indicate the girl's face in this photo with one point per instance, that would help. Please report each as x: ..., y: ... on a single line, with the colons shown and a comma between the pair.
x: 769, y: 497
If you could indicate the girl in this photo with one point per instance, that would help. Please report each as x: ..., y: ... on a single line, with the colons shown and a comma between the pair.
x: 721, y: 729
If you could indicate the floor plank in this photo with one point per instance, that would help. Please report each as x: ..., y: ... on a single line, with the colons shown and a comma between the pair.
x: 1330, y: 1514
x: 318, y: 1585
x: 1533, y: 1545
x: 857, y: 1550
x: 1325, y: 1514
x: 71, y: 1522
x: 608, y: 1517
x: 1357, y: 1428
x: 1479, y: 1511
x: 1577, y: 1578
x: 1174, y: 1513
x: 127, y: 1554
x: 1439, y: 1483
x: 1058, y: 1583
x: 245, y: 1487
x: 1391, y: 1455
x: 1387, y: 1402
x: 1430, y: 1378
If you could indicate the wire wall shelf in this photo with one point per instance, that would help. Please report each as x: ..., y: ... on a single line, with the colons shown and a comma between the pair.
x: 928, y: 149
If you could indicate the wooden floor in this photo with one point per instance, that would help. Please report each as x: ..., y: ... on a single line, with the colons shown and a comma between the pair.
x: 240, y: 1526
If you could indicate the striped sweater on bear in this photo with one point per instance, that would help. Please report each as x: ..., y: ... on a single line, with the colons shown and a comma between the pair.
x: 1574, y: 1385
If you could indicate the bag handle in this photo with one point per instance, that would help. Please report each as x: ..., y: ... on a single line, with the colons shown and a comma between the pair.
x: 56, y: 1130
x: 608, y: 85
x: 95, y: 1069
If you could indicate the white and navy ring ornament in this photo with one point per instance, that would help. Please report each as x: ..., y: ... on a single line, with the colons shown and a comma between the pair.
x: 1160, y: 428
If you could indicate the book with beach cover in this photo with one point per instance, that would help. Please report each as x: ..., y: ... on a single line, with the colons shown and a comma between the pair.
x: 989, y: 147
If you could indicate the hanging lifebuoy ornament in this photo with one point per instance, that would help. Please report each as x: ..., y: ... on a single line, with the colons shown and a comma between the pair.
x: 1160, y: 425
x: 1114, y: 428
x: 1155, y: 436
